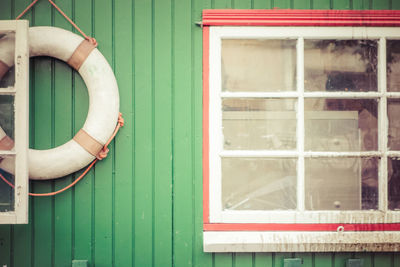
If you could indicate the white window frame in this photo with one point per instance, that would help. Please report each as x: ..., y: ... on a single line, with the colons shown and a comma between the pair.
x: 20, y: 91
x: 256, y: 240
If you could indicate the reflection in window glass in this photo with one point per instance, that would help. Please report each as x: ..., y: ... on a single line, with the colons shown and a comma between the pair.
x: 341, y: 124
x: 6, y: 116
x: 393, y: 65
x: 252, y: 65
x: 7, y: 76
x: 394, y: 124
x: 394, y: 183
x: 6, y: 192
x: 258, y: 184
x: 259, y: 124
x: 340, y: 65
x: 341, y: 183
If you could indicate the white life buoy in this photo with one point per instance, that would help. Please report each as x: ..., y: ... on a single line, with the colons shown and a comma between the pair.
x: 103, y: 101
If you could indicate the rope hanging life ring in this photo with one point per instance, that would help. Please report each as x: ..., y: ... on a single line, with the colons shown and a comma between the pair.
x: 103, y: 102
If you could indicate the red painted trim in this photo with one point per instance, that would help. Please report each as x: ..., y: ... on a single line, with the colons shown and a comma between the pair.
x: 300, y: 227
x: 206, y: 169
x: 292, y: 17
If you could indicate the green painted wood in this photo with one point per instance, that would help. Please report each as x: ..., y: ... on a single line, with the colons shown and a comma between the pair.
x: 244, y: 259
x: 302, y: 4
x: 383, y: 259
x: 144, y: 146
x: 366, y: 257
x: 381, y: 4
x: 142, y: 206
x: 183, y: 133
x: 263, y: 259
x: 323, y: 259
x: 282, y: 3
x: 341, y: 4
x: 261, y: 4
x: 341, y: 258
x: 124, y: 197
x: 5, y: 245
x: 224, y: 259
x: 162, y: 155
x: 83, y: 194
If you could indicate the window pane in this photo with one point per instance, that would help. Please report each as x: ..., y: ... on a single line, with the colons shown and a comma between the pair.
x: 340, y: 65
x: 6, y: 121
x: 341, y: 124
x: 393, y: 65
x: 7, y: 55
x: 258, y: 184
x: 341, y: 183
x: 394, y: 124
x: 257, y: 124
x: 252, y: 65
x: 394, y: 183
x: 6, y: 191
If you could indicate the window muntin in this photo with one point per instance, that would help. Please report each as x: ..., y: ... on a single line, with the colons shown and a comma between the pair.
x: 371, y: 151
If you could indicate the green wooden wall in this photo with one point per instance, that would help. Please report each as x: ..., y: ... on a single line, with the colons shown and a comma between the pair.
x: 142, y: 206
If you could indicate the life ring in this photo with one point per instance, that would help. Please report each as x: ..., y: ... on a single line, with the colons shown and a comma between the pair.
x: 103, y: 102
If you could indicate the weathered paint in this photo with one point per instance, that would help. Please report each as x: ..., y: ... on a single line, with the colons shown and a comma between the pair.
x: 142, y: 206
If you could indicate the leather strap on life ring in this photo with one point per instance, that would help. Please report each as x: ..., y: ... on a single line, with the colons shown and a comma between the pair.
x: 80, y: 54
x: 86, y: 141
x: 3, y: 68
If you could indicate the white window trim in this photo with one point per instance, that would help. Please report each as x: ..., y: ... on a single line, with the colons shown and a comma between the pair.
x: 21, y: 120
x: 217, y: 215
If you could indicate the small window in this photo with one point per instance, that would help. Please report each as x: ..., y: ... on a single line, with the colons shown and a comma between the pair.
x: 14, y: 63
x: 301, y: 136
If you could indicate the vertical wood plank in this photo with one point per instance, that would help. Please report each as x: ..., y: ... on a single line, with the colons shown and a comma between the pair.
x: 162, y: 60
x: 243, y: 259
x: 323, y: 259
x: 302, y: 4
x: 200, y: 258
x: 366, y: 257
x: 321, y: 4
x: 361, y: 4
x: 62, y: 98
x: 124, y: 196
x: 281, y: 3
x: 221, y: 4
x: 341, y: 4
x: 143, y: 168
x: 43, y: 207
x: 279, y: 257
x: 383, y: 259
x: 183, y: 172
x: 341, y: 258
x: 5, y: 245
x: 263, y: 259
x: 223, y: 259
x: 104, y: 182
x: 242, y: 4
x: 262, y: 4
x: 307, y: 259
x: 380, y: 4
x: 395, y: 5
x: 83, y: 192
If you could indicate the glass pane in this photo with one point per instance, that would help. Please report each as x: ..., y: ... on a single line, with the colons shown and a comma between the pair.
x: 6, y: 191
x: 257, y: 124
x: 394, y: 124
x: 393, y: 65
x: 253, y: 65
x: 341, y: 124
x: 341, y: 183
x: 258, y: 184
x: 7, y: 52
x: 340, y: 65
x: 394, y: 183
x: 6, y: 122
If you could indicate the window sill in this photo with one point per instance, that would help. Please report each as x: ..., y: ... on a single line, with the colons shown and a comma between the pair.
x: 229, y: 241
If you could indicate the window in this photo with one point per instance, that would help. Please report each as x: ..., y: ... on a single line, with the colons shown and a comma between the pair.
x: 301, y: 132
x: 14, y: 62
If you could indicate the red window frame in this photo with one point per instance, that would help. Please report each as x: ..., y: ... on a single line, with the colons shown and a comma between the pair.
x: 284, y: 17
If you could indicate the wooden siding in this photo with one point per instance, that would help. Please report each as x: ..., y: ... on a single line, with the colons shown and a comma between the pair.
x: 142, y: 206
